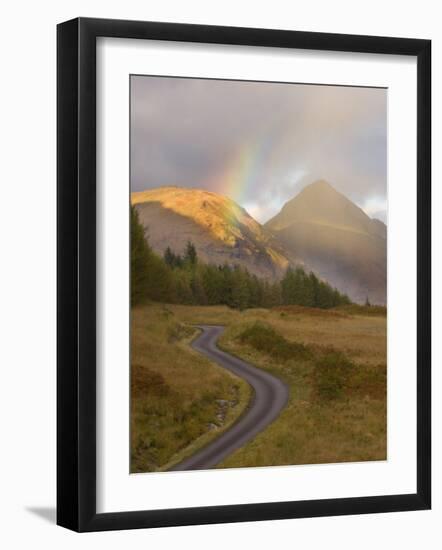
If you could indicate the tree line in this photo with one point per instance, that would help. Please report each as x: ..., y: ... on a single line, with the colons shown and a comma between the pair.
x: 183, y: 279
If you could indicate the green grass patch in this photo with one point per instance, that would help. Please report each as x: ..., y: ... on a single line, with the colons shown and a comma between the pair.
x: 331, y: 374
x: 264, y: 338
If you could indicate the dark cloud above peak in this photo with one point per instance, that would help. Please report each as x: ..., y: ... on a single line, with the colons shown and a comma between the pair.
x: 261, y: 142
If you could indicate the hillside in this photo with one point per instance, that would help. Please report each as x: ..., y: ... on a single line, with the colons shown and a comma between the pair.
x: 220, y: 229
x: 336, y: 239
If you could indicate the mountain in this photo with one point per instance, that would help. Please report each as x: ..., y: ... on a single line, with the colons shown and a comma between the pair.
x: 220, y: 229
x: 336, y: 239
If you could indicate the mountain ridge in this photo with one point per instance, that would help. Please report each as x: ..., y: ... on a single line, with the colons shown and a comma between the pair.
x: 222, y: 231
x: 320, y: 229
x: 339, y: 241
x: 325, y: 197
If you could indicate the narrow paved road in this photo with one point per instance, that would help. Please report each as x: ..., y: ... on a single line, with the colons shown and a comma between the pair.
x: 270, y: 397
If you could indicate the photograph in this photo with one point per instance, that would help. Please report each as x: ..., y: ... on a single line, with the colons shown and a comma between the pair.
x: 258, y: 273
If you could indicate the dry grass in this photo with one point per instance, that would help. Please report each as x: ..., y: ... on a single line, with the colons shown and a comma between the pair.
x: 369, y: 311
x: 311, y: 430
x: 323, y: 422
x: 362, y: 337
x: 312, y: 311
x: 175, y: 391
x: 350, y: 426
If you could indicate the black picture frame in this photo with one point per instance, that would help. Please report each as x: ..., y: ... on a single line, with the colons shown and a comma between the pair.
x: 76, y: 273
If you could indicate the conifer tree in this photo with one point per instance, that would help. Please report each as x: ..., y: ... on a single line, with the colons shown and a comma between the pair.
x: 182, y: 286
x: 150, y: 277
x: 314, y: 288
x: 288, y: 287
x: 240, y: 290
x: 169, y: 257
x: 190, y: 255
x: 184, y: 280
x: 139, y: 260
x: 197, y: 286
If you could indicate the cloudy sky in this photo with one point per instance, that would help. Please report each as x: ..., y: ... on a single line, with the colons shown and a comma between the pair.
x: 259, y: 143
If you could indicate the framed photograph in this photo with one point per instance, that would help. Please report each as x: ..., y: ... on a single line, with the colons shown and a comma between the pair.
x: 243, y: 274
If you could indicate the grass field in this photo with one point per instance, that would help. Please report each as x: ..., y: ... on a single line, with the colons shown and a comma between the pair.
x: 179, y: 400
x: 333, y: 360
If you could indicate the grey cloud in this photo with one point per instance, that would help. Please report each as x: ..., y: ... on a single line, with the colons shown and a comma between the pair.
x: 186, y: 131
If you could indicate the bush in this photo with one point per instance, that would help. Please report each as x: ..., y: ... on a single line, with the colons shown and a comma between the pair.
x: 331, y: 375
x: 264, y: 338
x: 179, y: 331
x: 145, y: 381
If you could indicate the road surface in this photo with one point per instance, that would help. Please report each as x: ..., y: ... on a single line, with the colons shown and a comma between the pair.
x: 270, y: 397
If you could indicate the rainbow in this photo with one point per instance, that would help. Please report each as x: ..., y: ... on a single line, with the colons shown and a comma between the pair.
x: 242, y: 171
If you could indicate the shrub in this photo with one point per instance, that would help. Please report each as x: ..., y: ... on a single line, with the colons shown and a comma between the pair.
x: 145, y: 381
x: 179, y: 331
x: 331, y: 374
x: 264, y: 338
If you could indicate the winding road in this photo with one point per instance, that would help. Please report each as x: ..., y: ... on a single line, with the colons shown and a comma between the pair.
x: 270, y: 397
